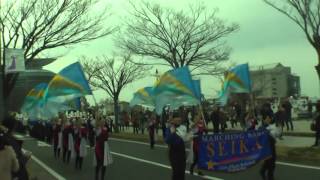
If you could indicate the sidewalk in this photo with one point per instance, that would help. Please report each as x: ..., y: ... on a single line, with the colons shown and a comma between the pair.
x: 302, y: 136
x: 301, y: 126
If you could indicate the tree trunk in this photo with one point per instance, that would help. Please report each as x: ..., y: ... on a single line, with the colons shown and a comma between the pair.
x: 116, y: 113
x: 318, y: 66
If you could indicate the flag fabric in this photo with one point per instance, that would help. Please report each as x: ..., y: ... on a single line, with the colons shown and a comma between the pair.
x: 177, y: 80
x: 35, y: 96
x: 237, y: 80
x: 36, y: 107
x: 173, y: 100
x: 197, y: 86
x: 176, y: 88
x: 62, y: 93
x: 74, y: 73
x: 69, y: 84
x: 143, y: 96
x: 223, y: 97
x: 14, y: 59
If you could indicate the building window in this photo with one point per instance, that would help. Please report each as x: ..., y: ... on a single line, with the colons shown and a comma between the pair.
x: 274, y: 79
x: 274, y: 89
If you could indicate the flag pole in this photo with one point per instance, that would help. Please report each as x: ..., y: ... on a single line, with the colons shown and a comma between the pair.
x: 202, y: 114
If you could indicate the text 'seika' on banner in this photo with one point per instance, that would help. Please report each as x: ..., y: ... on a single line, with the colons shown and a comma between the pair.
x: 233, y: 152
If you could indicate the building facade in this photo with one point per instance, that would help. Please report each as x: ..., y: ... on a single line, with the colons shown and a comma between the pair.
x: 274, y: 81
x: 25, y: 81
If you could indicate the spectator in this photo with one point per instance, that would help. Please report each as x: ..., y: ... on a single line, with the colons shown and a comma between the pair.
x: 288, y: 107
x: 266, y: 111
x: 310, y: 107
x: 215, y: 118
x: 8, y: 160
x: 23, y: 158
x: 233, y: 117
x: 316, y: 125
x: 280, y: 117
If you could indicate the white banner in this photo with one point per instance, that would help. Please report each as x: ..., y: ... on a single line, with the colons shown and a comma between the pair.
x: 14, y: 60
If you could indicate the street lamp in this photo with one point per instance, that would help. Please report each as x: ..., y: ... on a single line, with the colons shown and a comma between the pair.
x: 157, y: 75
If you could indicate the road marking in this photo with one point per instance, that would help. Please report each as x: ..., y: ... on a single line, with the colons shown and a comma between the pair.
x: 19, y: 136
x: 278, y: 162
x: 298, y: 165
x: 47, y: 168
x: 160, y: 165
x: 136, y: 142
x: 43, y: 144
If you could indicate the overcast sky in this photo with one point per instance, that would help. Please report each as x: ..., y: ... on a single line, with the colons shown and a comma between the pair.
x: 265, y: 37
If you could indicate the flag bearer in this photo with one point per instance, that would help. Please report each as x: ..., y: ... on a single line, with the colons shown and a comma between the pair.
x: 80, y: 145
x: 102, y: 155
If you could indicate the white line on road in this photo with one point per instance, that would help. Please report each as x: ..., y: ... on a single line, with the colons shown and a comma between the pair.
x: 298, y: 165
x: 47, y: 168
x: 158, y: 164
x: 278, y: 162
x: 136, y: 142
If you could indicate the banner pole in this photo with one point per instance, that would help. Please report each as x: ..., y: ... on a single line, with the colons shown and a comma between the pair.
x: 202, y: 114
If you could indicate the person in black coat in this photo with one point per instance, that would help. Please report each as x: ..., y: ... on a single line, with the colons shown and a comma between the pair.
x: 317, y: 125
x: 280, y: 117
x: 22, y: 174
x: 215, y: 118
x: 266, y: 110
x: 269, y: 165
x: 288, y: 107
x: 177, y: 152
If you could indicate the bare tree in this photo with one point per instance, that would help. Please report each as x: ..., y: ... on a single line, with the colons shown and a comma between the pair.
x: 306, y: 14
x: 112, y: 75
x: 191, y: 38
x: 40, y: 25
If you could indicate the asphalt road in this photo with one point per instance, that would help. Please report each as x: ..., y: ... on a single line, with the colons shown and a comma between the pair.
x: 136, y: 161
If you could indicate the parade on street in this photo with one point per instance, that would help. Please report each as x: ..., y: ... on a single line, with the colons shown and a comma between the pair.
x: 159, y: 89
